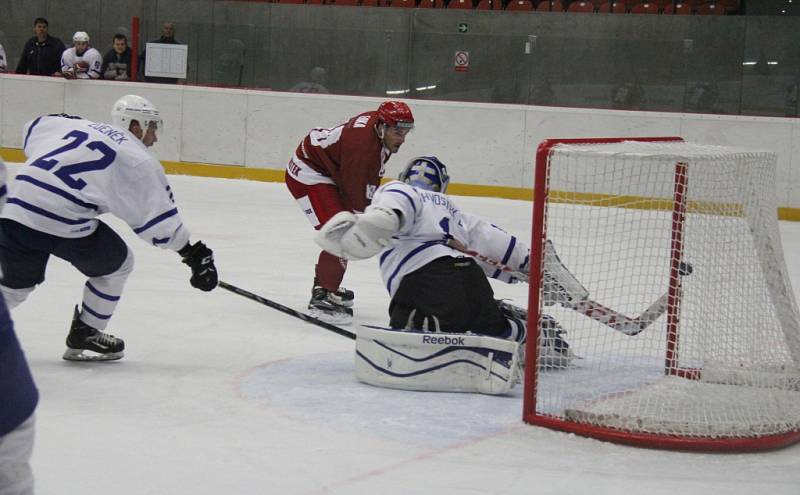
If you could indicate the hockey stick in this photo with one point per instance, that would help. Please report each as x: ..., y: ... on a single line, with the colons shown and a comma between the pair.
x: 289, y: 311
x: 593, y: 309
x: 618, y: 321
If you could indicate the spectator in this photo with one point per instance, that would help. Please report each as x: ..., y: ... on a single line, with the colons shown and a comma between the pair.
x: 315, y: 84
x: 167, y: 37
x: 229, y: 67
x: 3, y: 61
x: 41, y: 55
x: 628, y: 95
x: 81, y: 61
x: 117, y: 61
x: 792, y: 100
x: 703, y: 97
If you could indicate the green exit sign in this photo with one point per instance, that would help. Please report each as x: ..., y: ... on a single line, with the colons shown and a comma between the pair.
x: 463, y: 27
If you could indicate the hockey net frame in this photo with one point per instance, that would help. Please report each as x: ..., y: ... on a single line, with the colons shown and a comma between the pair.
x: 600, y: 417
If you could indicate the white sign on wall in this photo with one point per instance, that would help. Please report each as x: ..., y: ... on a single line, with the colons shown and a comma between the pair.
x: 166, y: 60
x: 461, y: 61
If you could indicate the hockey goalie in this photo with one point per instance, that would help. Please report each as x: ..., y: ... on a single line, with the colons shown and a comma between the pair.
x: 447, y: 332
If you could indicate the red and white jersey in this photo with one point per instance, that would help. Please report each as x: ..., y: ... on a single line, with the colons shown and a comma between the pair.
x: 350, y: 156
x: 430, y: 220
x: 92, y: 58
x: 78, y: 169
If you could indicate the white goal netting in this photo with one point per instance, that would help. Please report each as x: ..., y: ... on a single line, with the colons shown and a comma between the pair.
x: 722, y: 363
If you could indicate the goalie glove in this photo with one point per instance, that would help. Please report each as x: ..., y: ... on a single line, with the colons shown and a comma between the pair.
x: 371, y: 234
x: 358, y: 237
x: 330, y: 235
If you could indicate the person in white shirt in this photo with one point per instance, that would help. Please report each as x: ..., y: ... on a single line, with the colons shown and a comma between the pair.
x: 77, y: 170
x: 81, y: 61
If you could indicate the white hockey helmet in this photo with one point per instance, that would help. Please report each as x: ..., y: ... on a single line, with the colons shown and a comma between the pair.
x: 80, y: 37
x: 134, y: 107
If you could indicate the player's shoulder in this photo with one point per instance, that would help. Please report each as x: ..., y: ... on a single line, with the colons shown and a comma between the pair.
x: 57, y: 126
x: 397, y: 185
x: 400, y: 191
x: 362, y: 122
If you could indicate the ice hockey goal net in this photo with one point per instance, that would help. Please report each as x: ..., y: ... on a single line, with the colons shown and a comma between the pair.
x: 706, y: 360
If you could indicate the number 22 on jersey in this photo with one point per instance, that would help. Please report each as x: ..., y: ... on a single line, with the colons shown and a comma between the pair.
x: 76, y: 139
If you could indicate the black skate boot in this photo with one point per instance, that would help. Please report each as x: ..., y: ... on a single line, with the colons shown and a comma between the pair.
x: 554, y: 351
x: 343, y: 297
x: 326, y: 306
x: 85, y: 343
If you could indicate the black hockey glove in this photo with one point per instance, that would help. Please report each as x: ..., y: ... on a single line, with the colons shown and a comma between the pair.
x: 201, y: 260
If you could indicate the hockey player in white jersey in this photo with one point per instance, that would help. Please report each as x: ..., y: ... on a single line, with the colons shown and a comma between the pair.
x: 76, y: 170
x: 421, y: 235
x: 81, y: 61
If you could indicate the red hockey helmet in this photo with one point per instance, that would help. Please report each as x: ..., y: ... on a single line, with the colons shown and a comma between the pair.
x: 396, y: 114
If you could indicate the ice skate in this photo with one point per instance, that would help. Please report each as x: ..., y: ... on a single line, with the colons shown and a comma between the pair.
x: 331, y: 307
x: 85, y: 343
x: 342, y: 297
x: 554, y: 351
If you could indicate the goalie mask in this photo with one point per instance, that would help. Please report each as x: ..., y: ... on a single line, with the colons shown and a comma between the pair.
x: 426, y: 172
x: 133, y: 107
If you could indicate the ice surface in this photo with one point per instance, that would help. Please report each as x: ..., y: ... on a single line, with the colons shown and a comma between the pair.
x: 218, y: 394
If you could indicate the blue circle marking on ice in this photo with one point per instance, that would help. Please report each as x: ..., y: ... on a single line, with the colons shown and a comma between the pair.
x: 322, y: 388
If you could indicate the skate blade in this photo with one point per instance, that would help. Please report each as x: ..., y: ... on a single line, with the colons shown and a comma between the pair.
x: 87, y: 355
x: 333, y: 319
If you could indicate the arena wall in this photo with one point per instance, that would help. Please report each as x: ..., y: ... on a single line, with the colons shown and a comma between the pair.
x: 489, y: 148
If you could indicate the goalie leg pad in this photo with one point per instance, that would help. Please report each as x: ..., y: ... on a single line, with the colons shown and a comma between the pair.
x: 441, y: 362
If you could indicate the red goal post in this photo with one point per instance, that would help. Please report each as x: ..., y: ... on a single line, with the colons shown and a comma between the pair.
x: 721, y: 369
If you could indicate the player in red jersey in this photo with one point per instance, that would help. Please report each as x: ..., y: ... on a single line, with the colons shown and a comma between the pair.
x: 339, y: 169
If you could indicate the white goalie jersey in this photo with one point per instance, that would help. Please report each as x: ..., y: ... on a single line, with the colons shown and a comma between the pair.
x: 430, y: 220
x: 78, y: 169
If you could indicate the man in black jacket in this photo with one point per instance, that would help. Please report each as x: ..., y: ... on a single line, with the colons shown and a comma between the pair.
x: 168, y: 37
x: 117, y: 61
x: 42, y: 53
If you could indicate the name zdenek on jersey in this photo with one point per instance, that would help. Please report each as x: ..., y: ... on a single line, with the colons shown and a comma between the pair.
x: 78, y: 169
x: 430, y: 219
